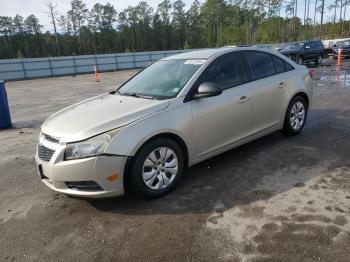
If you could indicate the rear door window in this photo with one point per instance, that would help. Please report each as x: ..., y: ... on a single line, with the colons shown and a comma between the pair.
x: 281, y: 65
x: 260, y: 64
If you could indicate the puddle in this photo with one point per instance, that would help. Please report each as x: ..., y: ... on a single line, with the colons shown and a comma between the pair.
x: 342, y: 76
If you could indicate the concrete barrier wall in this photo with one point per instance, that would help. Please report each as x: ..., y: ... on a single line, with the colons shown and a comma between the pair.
x: 29, y: 68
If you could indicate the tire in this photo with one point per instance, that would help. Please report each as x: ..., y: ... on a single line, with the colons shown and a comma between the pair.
x: 318, y: 60
x: 291, y: 127
x: 299, y: 60
x: 161, y: 176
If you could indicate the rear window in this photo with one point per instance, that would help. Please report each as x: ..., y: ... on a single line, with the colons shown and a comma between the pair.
x: 260, y: 64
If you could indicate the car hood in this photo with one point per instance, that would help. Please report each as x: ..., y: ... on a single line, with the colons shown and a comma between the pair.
x: 97, y: 115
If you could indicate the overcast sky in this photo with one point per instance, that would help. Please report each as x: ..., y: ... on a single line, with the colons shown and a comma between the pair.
x: 37, y: 7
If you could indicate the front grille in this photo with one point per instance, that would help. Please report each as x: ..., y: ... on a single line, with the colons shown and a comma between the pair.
x: 51, y: 139
x: 45, y: 153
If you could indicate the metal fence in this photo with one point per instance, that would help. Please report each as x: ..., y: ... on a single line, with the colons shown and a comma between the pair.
x: 29, y: 68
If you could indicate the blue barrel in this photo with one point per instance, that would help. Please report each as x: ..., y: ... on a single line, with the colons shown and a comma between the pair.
x: 5, y: 118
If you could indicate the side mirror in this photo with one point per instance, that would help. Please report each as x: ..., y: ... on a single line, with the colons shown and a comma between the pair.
x: 307, y: 47
x: 207, y: 89
x: 278, y: 49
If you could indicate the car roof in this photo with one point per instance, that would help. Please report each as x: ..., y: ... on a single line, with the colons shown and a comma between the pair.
x: 207, y: 53
x: 198, y: 54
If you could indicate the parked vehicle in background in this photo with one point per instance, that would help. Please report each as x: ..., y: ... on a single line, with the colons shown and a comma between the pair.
x: 345, y: 49
x: 175, y: 113
x: 304, y: 52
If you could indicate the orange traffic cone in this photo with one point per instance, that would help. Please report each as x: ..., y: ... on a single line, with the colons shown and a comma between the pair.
x: 97, y: 76
x: 339, y: 57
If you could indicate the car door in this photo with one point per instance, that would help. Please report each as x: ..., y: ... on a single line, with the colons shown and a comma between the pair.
x: 268, y: 88
x: 307, y: 51
x: 221, y: 120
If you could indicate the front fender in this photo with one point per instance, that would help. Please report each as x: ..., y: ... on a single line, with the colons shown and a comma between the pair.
x: 177, y: 121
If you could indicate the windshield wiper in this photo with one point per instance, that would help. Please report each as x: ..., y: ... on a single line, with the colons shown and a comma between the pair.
x: 136, y: 95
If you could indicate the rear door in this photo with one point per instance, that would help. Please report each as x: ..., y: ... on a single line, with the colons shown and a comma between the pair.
x: 268, y: 88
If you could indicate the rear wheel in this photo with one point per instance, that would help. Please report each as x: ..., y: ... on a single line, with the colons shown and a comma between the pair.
x: 157, y: 167
x: 295, y: 117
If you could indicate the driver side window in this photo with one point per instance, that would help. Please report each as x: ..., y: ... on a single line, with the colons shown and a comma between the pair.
x: 225, y: 72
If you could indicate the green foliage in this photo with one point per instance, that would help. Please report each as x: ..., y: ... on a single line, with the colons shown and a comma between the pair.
x: 171, y: 25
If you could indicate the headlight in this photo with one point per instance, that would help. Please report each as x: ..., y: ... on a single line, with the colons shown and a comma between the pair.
x: 90, y: 147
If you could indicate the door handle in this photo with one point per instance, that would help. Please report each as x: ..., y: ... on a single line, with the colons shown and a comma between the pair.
x: 281, y: 84
x: 243, y: 99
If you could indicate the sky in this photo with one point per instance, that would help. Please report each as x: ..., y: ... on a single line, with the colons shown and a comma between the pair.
x: 37, y: 7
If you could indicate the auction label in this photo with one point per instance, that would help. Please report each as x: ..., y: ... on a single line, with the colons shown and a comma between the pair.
x: 195, y: 62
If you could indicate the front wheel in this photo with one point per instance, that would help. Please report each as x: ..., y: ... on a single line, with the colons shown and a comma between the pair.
x: 295, y: 117
x: 157, y: 167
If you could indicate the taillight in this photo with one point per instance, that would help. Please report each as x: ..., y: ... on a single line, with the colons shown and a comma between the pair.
x: 311, y: 73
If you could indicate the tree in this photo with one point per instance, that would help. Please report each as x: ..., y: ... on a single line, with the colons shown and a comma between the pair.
x: 212, y: 16
x: 330, y: 8
x: 77, y: 16
x: 322, y: 13
x: 315, y: 13
x: 164, y: 11
x: 193, y: 24
x: 33, y: 32
x: 6, y: 30
x: 292, y: 9
x: 52, y: 13
x: 179, y: 21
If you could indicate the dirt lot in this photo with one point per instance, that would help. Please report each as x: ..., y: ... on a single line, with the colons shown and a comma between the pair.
x: 275, y: 199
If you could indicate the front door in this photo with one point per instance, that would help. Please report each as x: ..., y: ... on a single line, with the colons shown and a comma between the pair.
x: 222, y: 120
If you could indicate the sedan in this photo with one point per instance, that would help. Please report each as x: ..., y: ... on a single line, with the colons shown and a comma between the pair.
x: 173, y: 114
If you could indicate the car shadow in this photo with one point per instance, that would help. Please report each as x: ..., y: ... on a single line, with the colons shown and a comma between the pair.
x: 234, y: 178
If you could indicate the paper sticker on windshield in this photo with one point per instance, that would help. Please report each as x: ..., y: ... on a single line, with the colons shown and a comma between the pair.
x: 176, y: 89
x: 195, y: 62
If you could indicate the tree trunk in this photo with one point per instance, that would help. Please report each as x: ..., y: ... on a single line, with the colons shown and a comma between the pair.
x: 335, y: 17
x: 305, y: 3
x: 295, y: 20
x: 307, y: 18
x: 343, y: 24
x: 315, y: 18
x: 322, y: 12
x: 341, y: 10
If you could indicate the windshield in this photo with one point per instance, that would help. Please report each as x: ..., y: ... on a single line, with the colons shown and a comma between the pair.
x: 162, y: 80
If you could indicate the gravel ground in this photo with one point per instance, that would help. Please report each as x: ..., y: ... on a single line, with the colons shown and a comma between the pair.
x: 275, y: 199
